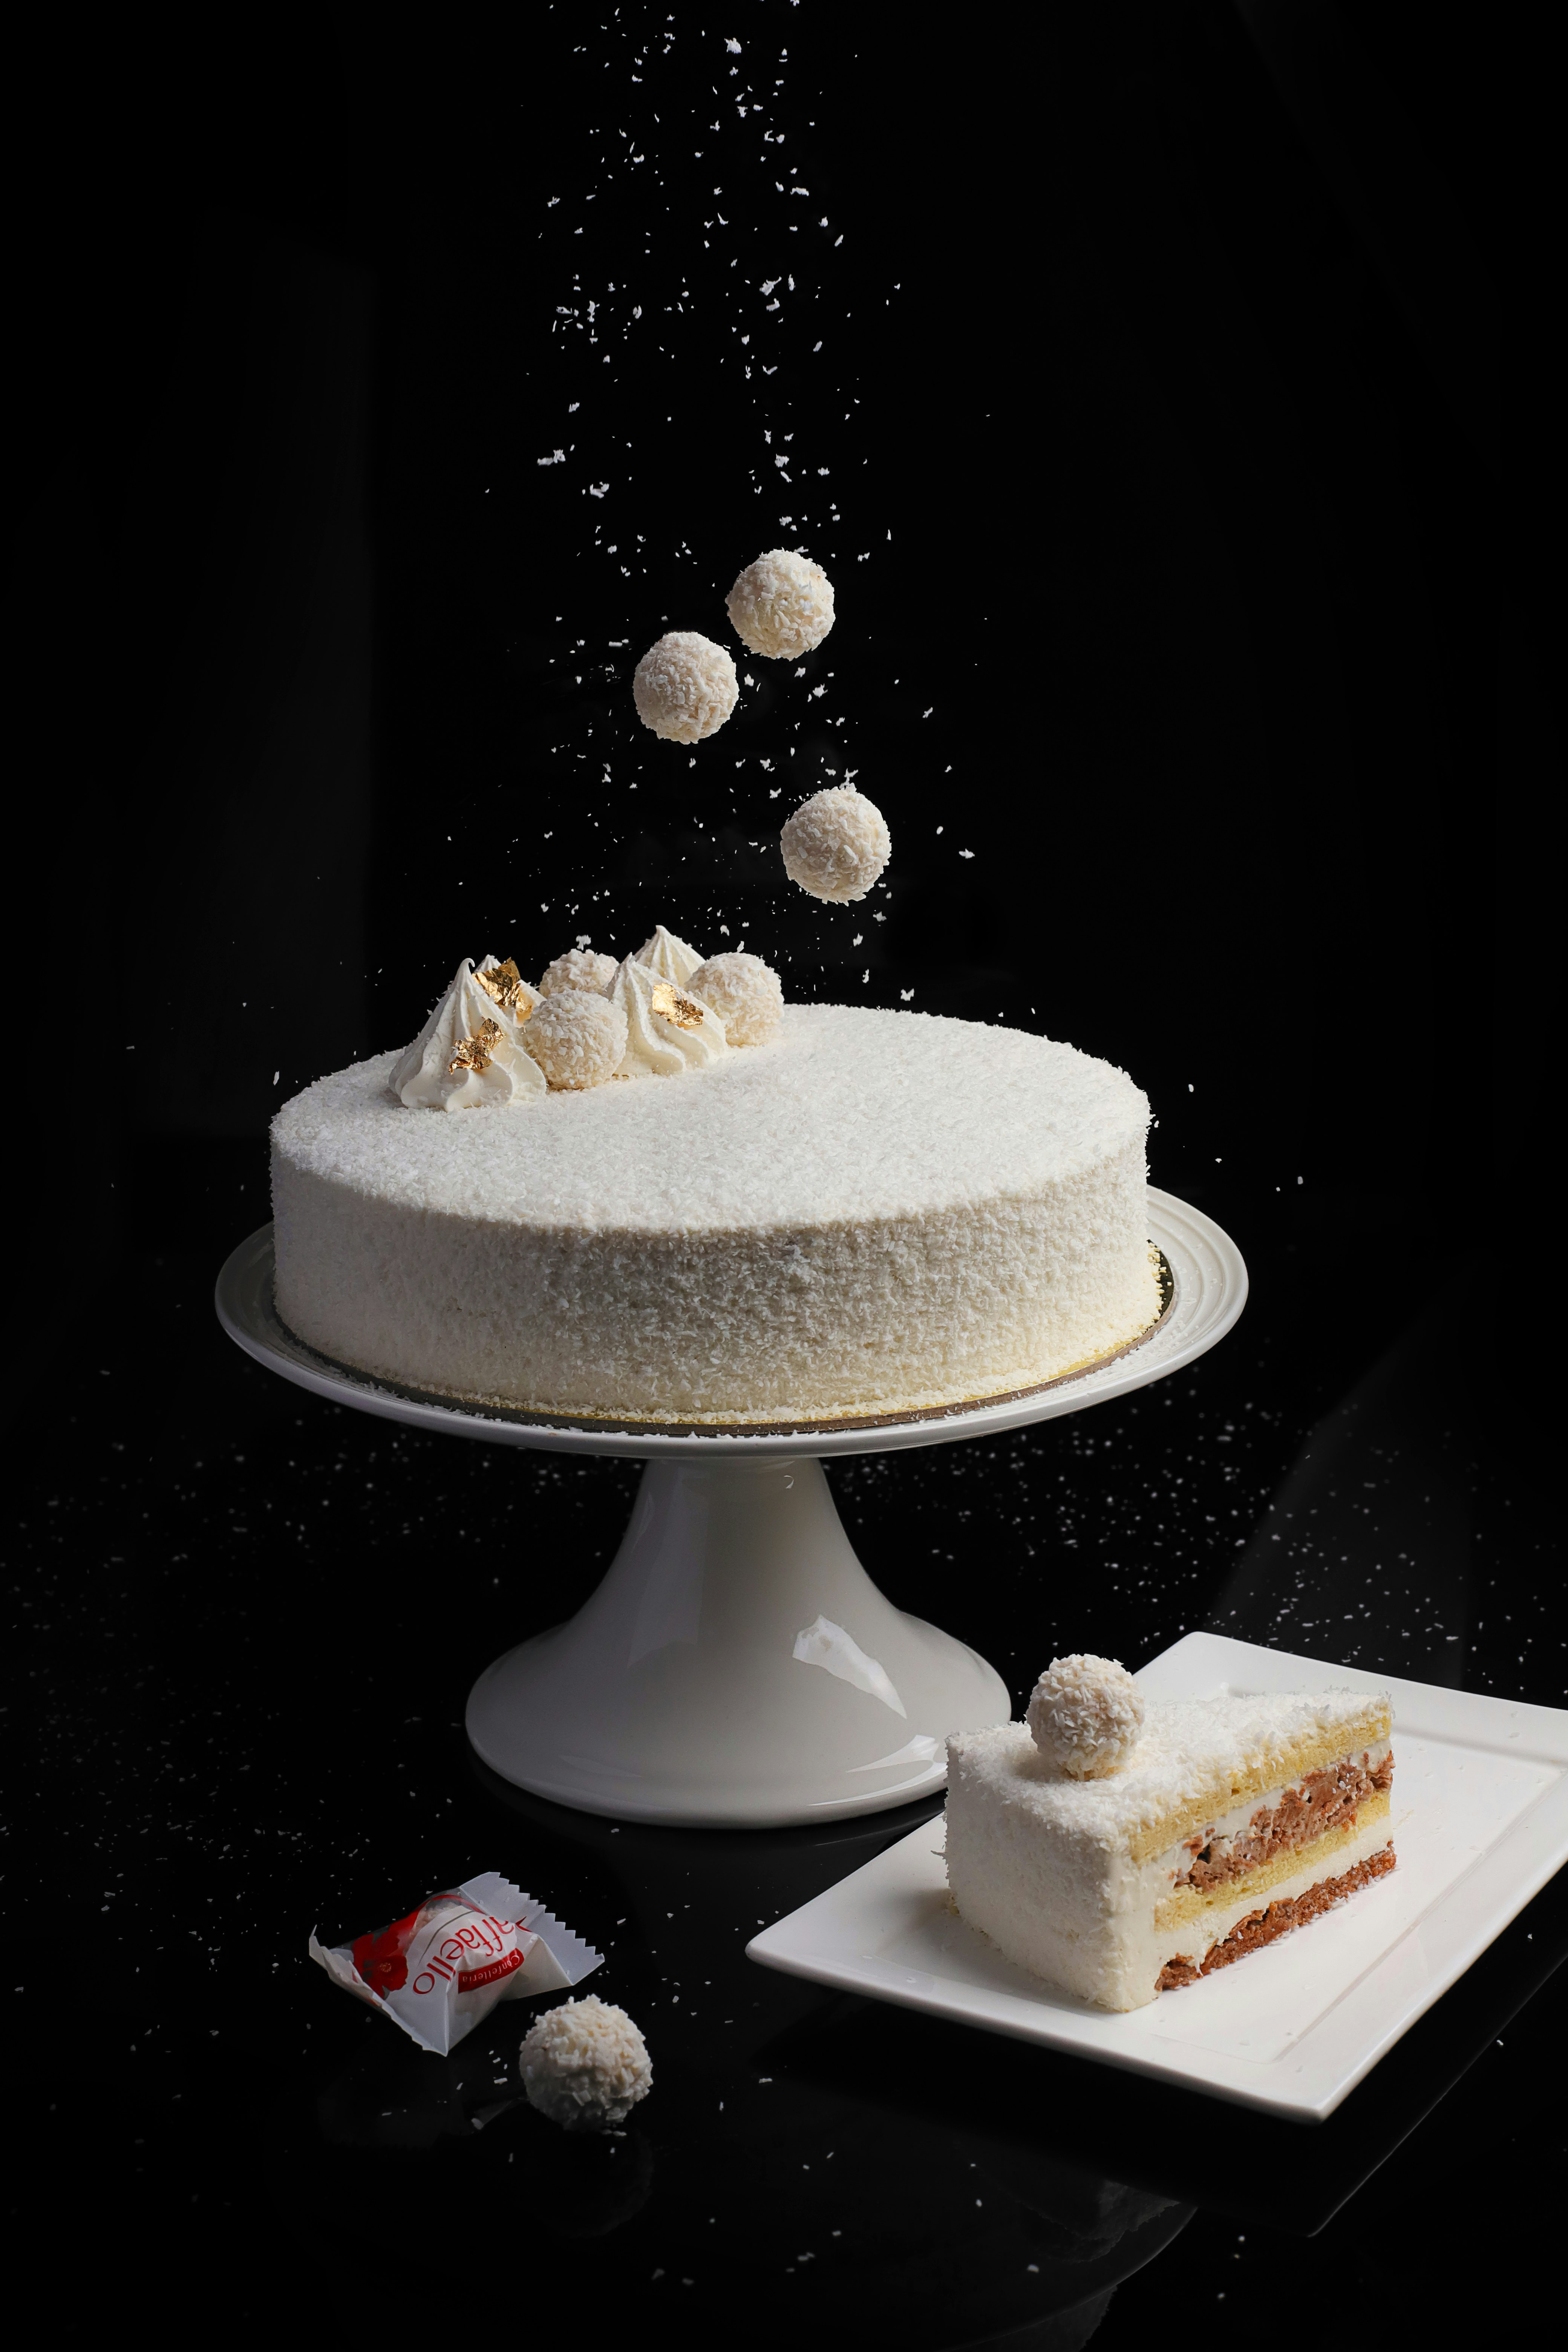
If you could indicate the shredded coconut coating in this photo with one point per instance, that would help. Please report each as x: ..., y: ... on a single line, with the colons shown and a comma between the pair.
x: 1085, y: 1713
x: 782, y: 605
x: 875, y: 1212
x: 836, y: 845
x: 684, y: 687
x: 579, y: 968
x: 578, y: 1037
x: 745, y: 992
x: 584, y: 2064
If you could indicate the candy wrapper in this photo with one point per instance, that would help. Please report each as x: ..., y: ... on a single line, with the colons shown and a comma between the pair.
x: 441, y: 1969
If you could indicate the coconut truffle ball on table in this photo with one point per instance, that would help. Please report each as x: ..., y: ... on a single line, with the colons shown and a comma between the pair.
x: 684, y: 687
x: 584, y: 2064
x: 746, y: 993
x: 578, y: 968
x: 837, y: 844
x: 782, y: 605
x: 1086, y: 1715
x: 578, y: 1039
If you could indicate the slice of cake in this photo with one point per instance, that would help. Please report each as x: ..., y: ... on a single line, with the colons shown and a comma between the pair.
x: 1119, y: 1847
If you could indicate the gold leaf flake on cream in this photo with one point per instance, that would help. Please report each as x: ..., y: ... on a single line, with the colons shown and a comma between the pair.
x: 671, y: 1005
x: 504, y: 984
x: 474, y: 1053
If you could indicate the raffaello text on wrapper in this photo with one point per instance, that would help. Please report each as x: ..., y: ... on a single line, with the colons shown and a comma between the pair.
x: 441, y: 1969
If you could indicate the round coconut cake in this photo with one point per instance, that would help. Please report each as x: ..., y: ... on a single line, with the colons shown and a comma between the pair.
x: 873, y: 1213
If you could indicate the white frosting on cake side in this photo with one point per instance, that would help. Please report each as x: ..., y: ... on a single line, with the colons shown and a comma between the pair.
x: 1068, y: 1876
x: 872, y: 1212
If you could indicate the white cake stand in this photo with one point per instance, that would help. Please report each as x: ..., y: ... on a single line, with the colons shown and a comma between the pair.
x: 737, y: 1667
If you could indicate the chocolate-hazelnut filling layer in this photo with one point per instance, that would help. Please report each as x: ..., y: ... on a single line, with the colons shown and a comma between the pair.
x: 1265, y: 1927
x: 1325, y: 1801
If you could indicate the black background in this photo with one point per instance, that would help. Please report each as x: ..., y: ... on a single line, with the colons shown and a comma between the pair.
x: 1151, y: 443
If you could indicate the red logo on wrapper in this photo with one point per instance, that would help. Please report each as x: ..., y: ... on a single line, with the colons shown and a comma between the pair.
x: 380, y: 1957
x: 475, y: 1979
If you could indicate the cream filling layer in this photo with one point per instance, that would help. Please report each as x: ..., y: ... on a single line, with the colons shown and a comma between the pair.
x: 1160, y: 1875
x: 1191, y: 1909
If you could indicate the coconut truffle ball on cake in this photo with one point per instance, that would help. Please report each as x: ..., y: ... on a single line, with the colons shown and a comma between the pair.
x: 782, y: 605
x: 1086, y: 1715
x: 684, y: 687
x: 577, y: 1037
x: 579, y: 968
x: 837, y: 844
x: 584, y: 2064
x: 746, y: 993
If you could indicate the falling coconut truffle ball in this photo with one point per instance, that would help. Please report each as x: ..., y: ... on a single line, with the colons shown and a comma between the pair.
x: 584, y: 2064
x: 837, y: 844
x: 579, y: 968
x: 1085, y: 1713
x: 684, y: 687
x: 578, y: 1039
x: 745, y: 992
x: 782, y: 605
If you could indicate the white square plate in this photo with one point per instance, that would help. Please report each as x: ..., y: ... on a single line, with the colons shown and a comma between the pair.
x: 1481, y: 1823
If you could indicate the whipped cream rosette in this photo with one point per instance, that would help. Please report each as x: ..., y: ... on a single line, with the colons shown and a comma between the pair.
x: 668, y: 1032
x: 442, y: 1967
x: 470, y: 1054
x: 667, y: 957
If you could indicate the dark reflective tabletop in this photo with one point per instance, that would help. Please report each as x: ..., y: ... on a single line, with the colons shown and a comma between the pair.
x: 250, y: 1624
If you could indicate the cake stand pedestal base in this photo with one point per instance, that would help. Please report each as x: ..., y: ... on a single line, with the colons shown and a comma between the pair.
x: 737, y: 1666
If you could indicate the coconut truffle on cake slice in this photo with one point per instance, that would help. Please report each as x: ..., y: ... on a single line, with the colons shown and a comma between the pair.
x: 1119, y: 1847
